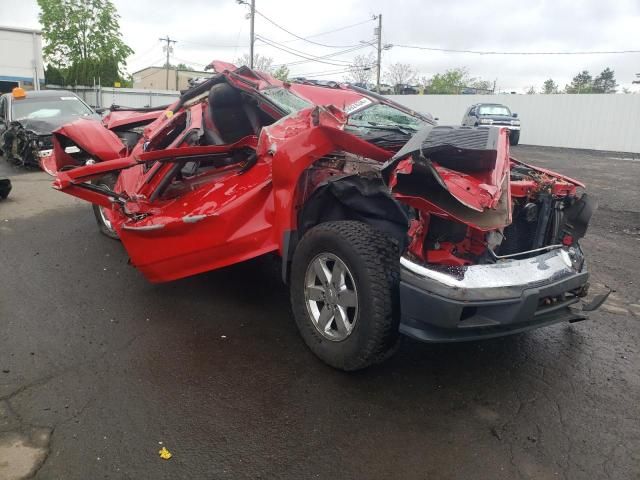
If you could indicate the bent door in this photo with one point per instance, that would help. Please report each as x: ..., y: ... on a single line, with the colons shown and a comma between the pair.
x: 208, y: 207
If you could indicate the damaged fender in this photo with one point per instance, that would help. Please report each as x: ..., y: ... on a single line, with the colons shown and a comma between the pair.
x: 297, y: 143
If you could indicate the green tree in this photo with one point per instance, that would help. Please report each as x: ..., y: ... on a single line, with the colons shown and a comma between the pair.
x: 451, y: 82
x: 549, y: 87
x: 83, y: 37
x: 581, y: 83
x: 605, y: 82
x: 282, y: 73
x: 127, y: 82
x: 54, y: 76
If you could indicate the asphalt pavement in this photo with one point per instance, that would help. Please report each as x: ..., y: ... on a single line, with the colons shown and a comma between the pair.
x: 100, y: 369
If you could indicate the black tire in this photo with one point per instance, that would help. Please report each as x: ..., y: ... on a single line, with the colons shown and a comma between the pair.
x: 514, y: 137
x: 373, y: 260
x: 107, y: 181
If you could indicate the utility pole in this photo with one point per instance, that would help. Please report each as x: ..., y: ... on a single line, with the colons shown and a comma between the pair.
x: 378, y: 32
x: 251, y: 17
x: 253, y: 37
x: 169, y: 49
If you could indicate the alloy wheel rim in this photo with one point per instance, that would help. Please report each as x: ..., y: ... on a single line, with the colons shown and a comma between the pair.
x: 103, y: 217
x: 331, y: 297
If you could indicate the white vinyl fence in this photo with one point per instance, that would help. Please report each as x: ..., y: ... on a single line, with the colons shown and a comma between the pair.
x: 125, y: 97
x: 599, y: 122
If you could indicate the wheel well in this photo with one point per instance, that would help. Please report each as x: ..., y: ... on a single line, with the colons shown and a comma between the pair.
x: 353, y: 197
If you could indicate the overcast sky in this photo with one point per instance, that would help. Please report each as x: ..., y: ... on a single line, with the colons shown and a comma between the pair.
x: 218, y: 29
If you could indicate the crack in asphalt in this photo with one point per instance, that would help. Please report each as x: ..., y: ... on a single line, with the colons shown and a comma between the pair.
x: 70, y: 368
x: 13, y: 411
x: 46, y: 455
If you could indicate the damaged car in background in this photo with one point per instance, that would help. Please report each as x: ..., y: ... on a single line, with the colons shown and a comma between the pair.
x: 27, y: 119
x: 386, y: 224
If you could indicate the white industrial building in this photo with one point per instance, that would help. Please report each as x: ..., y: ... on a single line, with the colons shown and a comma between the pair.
x: 20, y: 59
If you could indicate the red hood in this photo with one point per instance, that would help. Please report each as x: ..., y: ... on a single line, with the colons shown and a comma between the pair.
x: 339, y: 97
x: 119, y: 118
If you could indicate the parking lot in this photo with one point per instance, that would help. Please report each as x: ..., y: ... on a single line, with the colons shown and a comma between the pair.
x: 99, y: 368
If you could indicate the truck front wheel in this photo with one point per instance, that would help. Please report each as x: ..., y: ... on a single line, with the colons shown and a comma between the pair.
x: 344, y: 293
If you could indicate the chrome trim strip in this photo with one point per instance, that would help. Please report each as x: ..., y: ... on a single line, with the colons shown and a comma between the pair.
x: 193, y: 218
x: 513, y: 255
x: 522, y: 274
x: 143, y: 228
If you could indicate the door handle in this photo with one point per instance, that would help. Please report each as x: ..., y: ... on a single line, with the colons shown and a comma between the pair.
x: 143, y: 228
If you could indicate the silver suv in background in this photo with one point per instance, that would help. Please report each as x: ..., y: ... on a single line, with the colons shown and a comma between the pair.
x: 493, y: 114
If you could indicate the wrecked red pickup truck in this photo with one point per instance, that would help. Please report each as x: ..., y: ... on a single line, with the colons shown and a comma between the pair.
x: 385, y: 222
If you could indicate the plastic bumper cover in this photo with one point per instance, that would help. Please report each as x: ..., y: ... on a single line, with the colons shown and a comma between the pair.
x: 484, y: 301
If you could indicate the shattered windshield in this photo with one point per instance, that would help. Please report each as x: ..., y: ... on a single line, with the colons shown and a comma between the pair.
x: 380, y: 115
x: 494, y: 110
x: 286, y: 100
x: 49, y: 107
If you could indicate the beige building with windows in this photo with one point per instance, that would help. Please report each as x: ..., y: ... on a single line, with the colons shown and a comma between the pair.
x: 155, y: 78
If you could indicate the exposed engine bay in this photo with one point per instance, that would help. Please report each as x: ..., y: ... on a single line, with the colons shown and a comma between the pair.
x: 21, y: 145
x: 465, y: 200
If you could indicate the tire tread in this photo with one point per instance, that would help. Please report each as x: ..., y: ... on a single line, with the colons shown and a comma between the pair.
x: 380, y: 257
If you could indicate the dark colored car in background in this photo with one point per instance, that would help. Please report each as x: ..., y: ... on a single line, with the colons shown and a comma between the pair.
x: 27, y: 119
x: 494, y: 114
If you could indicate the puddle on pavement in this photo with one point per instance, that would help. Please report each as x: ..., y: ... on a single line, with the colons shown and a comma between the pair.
x: 21, y: 455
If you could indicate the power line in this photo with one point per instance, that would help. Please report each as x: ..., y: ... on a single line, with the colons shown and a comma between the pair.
x: 306, y: 39
x: 491, y: 52
x: 311, y: 75
x: 334, y: 72
x: 210, y: 45
x: 284, y: 49
x: 331, y: 31
x: 265, y: 39
x: 135, y: 56
x: 312, y: 58
x: 329, y: 55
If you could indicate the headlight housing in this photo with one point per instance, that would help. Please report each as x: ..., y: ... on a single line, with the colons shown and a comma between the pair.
x: 486, y: 121
x: 515, y: 122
